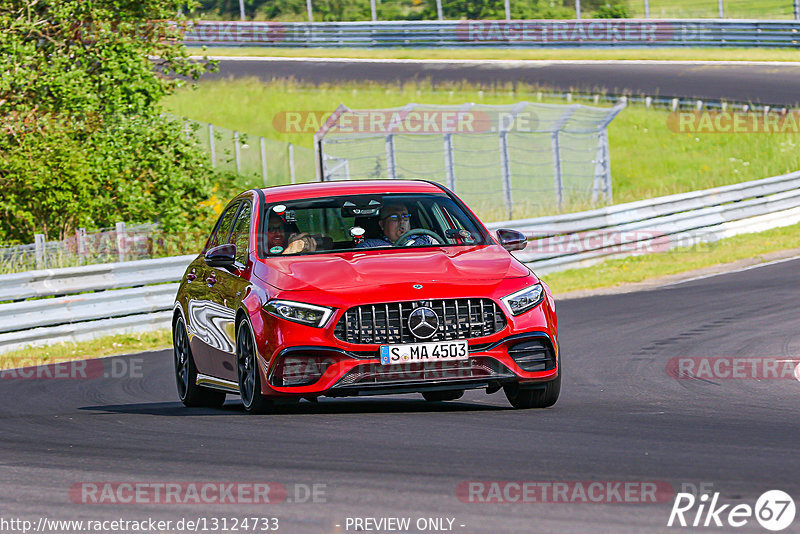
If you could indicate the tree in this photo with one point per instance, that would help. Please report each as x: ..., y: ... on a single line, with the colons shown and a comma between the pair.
x: 83, y: 142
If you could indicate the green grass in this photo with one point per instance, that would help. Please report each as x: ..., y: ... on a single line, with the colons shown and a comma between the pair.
x: 96, y: 348
x: 733, y: 9
x: 639, y: 268
x: 583, y: 53
x: 647, y: 158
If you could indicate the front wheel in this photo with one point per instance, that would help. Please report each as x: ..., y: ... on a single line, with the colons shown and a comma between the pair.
x: 247, y: 369
x: 539, y: 397
x: 186, y: 373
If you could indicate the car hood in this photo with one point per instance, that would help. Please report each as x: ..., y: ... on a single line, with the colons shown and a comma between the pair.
x: 355, y: 270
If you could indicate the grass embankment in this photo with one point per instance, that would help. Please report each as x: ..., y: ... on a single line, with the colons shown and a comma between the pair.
x: 96, y: 348
x: 518, y: 54
x: 647, y: 158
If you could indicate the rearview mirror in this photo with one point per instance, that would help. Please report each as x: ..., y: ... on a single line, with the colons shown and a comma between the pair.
x: 512, y: 239
x: 222, y: 256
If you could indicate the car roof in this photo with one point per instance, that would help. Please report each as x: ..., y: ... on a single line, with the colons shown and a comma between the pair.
x: 347, y: 187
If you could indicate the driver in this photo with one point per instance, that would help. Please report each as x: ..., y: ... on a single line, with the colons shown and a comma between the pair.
x: 278, y: 233
x: 394, y: 222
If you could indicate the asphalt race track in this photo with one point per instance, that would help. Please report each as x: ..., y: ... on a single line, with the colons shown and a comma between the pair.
x: 621, y: 417
x: 762, y: 83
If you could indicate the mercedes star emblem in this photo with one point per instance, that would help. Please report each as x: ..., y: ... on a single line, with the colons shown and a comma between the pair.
x: 423, y: 322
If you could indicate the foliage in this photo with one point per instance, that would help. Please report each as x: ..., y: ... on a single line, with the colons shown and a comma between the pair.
x: 615, y: 11
x: 83, y: 144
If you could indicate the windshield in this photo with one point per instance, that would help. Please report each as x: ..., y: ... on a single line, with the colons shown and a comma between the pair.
x: 359, y: 222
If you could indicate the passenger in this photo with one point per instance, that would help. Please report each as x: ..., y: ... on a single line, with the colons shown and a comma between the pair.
x: 279, y: 233
x: 394, y: 222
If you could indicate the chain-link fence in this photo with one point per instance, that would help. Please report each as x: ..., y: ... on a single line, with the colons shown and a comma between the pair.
x: 523, y: 159
x: 261, y: 161
x: 396, y: 10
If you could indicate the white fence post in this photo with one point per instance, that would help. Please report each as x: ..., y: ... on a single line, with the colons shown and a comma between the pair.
x: 241, y: 10
x: 440, y: 13
x: 39, y: 245
x: 263, y: 145
x: 310, y: 12
x: 578, y: 9
x: 291, y: 162
x: 121, y: 240
x: 237, y: 152
x: 373, y: 10
x: 449, y: 162
x: 211, y: 145
x: 647, y: 9
x: 721, y: 10
x: 80, y: 243
x: 391, y: 164
x: 508, y: 9
x: 796, y: 9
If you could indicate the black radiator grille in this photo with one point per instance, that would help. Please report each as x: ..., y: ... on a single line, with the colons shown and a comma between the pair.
x: 388, y: 323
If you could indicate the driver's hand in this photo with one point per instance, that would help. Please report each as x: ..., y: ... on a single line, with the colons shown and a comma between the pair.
x: 300, y: 243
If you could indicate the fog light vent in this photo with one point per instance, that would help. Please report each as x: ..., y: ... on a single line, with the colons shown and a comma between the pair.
x: 299, y: 369
x: 533, y: 355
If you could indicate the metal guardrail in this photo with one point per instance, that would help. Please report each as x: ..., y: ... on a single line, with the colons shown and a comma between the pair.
x: 583, y: 239
x: 493, y: 33
x: 99, y: 300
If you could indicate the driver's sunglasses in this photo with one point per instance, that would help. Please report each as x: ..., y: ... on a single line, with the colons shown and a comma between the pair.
x: 398, y: 217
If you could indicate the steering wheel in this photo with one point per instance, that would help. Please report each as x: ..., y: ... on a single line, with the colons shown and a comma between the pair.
x: 403, y: 240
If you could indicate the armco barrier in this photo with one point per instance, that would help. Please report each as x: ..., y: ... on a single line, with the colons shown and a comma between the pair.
x: 517, y: 33
x: 554, y: 243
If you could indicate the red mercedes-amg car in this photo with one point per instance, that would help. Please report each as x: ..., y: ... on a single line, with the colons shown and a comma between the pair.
x: 361, y: 288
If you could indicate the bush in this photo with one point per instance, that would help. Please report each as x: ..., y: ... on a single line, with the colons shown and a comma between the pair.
x: 83, y: 142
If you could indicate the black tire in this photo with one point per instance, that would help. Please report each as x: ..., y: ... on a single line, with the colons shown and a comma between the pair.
x: 189, y: 392
x: 539, y: 397
x: 441, y: 396
x: 247, y: 370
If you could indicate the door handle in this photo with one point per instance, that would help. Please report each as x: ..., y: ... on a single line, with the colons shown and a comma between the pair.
x: 211, y: 280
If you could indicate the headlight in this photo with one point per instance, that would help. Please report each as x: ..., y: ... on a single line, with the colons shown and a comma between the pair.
x: 524, y: 299
x: 299, y: 312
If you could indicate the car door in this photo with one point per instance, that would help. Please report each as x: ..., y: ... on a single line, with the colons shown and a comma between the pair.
x: 205, y: 317
x: 228, y: 288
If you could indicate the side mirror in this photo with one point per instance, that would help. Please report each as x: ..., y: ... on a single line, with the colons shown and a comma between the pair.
x: 222, y: 256
x: 511, y: 239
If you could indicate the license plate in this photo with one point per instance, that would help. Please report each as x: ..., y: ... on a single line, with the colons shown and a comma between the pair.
x: 424, y: 352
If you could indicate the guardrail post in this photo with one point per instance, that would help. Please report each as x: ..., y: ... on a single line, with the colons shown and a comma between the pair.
x: 449, y: 162
x: 121, y: 240
x: 291, y: 162
x: 373, y: 10
x: 647, y: 9
x: 263, y: 145
x: 796, y: 9
x: 237, y: 152
x: 391, y: 163
x: 211, y: 145
x: 440, y: 13
x: 578, y: 9
x: 721, y: 10
x: 310, y: 12
x: 39, y: 244
x: 508, y: 9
